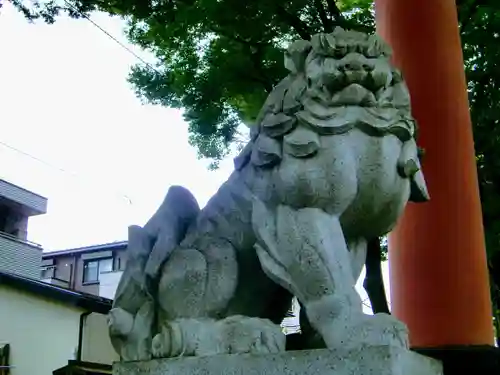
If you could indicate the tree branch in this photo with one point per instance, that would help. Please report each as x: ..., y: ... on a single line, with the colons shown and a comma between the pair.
x: 336, y: 13
x: 255, y: 50
x: 327, y: 22
x: 235, y: 38
x: 297, y: 24
x: 256, y: 58
x: 466, y: 15
x: 374, y: 282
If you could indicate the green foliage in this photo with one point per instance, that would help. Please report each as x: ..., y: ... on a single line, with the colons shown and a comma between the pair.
x: 218, y: 59
x: 480, y: 32
x: 384, y: 249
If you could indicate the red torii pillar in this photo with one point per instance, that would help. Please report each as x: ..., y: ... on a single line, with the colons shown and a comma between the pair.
x: 438, y: 272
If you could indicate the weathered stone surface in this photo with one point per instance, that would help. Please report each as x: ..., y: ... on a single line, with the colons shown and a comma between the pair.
x: 331, y: 164
x: 372, y: 360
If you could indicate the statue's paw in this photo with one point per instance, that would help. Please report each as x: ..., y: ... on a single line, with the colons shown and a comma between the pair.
x: 205, y: 337
x: 394, y: 331
x: 120, y: 322
x: 158, y: 347
x: 240, y: 334
x: 379, y: 329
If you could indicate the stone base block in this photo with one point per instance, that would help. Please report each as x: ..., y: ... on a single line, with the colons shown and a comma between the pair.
x: 371, y: 360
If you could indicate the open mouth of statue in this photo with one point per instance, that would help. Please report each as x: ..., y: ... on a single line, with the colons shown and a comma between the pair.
x: 341, y: 87
x: 353, y: 94
x: 365, y: 94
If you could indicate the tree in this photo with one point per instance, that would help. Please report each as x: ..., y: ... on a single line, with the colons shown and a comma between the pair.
x: 218, y: 59
x: 480, y: 32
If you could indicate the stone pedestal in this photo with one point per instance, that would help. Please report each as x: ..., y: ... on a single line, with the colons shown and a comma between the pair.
x: 373, y: 360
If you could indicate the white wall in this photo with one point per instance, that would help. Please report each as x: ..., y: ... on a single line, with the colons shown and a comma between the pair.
x: 108, y: 282
x: 42, y: 334
x: 96, y: 343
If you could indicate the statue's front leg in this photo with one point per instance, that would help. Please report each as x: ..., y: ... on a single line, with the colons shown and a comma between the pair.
x: 305, y: 251
x: 194, y: 291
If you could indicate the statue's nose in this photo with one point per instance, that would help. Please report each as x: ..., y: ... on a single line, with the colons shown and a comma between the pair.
x: 355, y: 62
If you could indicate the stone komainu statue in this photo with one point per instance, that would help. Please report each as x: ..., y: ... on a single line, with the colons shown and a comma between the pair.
x: 330, y: 165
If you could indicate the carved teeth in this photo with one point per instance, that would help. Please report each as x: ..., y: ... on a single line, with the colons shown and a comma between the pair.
x: 354, y: 94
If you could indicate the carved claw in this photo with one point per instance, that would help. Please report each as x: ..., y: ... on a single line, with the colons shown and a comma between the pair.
x: 236, y: 334
x: 158, y: 347
x: 171, y: 342
x: 251, y: 335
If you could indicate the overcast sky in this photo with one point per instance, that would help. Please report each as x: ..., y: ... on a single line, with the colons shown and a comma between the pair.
x: 65, y: 101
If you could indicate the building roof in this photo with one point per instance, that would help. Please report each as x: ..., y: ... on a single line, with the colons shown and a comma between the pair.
x: 119, y: 245
x: 84, y: 368
x: 71, y: 297
x: 25, y: 201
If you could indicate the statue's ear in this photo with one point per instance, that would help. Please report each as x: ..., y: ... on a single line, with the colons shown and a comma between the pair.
x: 418, y: 188
x: 295, y: 56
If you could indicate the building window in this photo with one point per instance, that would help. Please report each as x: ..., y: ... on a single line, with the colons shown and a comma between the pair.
x: 92, y: 269
x: 120, y: 264
x: 105, y: 265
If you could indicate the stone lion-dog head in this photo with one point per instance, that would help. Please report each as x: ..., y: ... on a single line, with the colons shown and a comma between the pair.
x: 336, y: 82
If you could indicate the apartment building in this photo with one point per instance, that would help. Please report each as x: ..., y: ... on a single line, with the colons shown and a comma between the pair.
x: 43, y: 327
x: 17, y: 254
x: 93, y: 269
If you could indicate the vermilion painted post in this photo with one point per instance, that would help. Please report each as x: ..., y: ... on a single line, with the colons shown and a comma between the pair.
x: 438, y: 272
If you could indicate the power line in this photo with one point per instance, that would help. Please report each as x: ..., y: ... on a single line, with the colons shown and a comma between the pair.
x: 55, y: 167
x: 111, y: 36
x: 121, y: 45
x: 37, y: 159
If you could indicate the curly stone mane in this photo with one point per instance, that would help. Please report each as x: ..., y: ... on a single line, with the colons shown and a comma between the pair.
x: 337, y: 82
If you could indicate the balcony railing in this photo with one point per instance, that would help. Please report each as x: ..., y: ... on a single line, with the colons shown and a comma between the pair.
x: 108, y: 282
x: 19, y: 256
x: 56, y: 281
x: 14, y: 238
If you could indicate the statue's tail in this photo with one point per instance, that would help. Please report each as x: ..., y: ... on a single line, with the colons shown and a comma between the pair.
x: 132, y: 318
x: 168, y: 227
x: 130, y: 293
x: 149, y: 247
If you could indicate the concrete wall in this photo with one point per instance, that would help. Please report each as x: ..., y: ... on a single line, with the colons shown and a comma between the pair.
x: 64, y: 268
x: 108, y: 282
x: 43, y: 334
x: 96, y: 342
